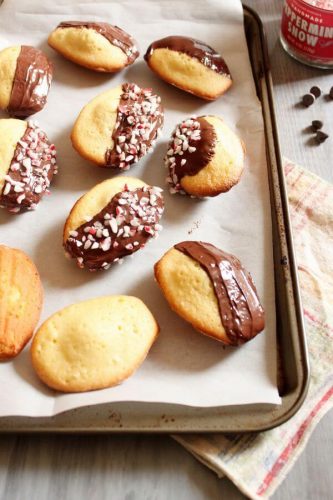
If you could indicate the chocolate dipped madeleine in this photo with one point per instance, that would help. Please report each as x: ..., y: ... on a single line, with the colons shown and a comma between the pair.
x: 21, y: 298
x: 95, y: 45
x: 190, y: 65
x: 114, y: 219
x: 210, y: 289
x: 25, y: 80
x: 204, y: 158
x: 118, y: 127
x: 27, y: 164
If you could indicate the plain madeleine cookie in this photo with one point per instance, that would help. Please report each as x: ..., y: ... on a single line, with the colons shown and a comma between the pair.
x: 93, y: 344
x: 119, y: 126
x: 211, y: 290
x: 25, y: 79
x: 21, y: 298
x: 97, y: 46
x: 204, y: 158
x: 27, y: 164
x: 114, y: 219
x: 190, y: 65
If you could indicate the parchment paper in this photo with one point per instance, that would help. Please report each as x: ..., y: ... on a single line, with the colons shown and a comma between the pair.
x: 183, y: 367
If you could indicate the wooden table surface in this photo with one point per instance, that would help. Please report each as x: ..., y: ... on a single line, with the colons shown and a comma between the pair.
x: 155, y: 467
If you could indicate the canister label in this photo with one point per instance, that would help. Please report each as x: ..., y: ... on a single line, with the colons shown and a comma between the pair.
x: 307, y: 26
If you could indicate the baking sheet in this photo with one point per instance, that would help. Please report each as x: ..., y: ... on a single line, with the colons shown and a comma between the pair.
x: 182, y: 367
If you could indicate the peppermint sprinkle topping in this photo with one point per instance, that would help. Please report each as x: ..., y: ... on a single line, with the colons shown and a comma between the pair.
x: 183, y: 140
x: 30, y: 172
x: 139, y: 120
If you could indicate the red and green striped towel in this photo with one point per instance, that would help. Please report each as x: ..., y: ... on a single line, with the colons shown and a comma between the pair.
x: 258, y: 463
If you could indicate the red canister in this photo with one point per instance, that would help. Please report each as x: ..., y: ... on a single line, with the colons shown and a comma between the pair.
x: 307, y: 31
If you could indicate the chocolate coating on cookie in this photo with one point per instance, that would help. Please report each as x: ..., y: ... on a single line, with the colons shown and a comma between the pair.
x: 139, y: 119
x: 241, y: 312
x: 193, y: 48
x: 121, y: 228
x: 190, y: 150
x: 30, y: 172
x: 31, y: 83
x: 204, y: 157
x: 114, y: 34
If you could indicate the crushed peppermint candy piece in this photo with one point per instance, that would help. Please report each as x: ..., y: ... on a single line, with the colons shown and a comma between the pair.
x: 30, y: 172
x: 124, y: 226
x: 139, y: 119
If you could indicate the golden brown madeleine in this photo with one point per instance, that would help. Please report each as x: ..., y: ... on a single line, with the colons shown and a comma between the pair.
x: 118, y: 127
x: 93, y: 344
x: 204, y: 158
x: 210, y: 289
x: 27, y: 164
x: 21, y: 298
x: 95, y: 45
x: 190, y: 65
x: 114, y: 219
x: 25, y: 80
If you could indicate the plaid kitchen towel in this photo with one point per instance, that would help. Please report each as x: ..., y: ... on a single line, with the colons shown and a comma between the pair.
x: 258, y: 463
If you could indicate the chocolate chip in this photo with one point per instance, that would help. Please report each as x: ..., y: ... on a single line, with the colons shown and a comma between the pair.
x: 321, y: 137
x: 284, y: 260
x: 315, y: 91
x: 308, y: 99
x: 331, y: 93
x: 316, y: 125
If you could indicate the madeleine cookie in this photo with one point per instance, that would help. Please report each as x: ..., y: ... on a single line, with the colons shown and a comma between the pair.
x: 25, y: 79
x: 204, y: 158
x: 27, y: 164
x: 21, y: 298
x: 190, y: 65
x: 114, y: 219
x: 93, y: 344
x: 119, y: 126
x: 211, y: 290
x: 97, y: 46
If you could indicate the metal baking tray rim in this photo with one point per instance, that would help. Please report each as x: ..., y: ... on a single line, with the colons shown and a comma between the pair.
x: 120, y: 417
